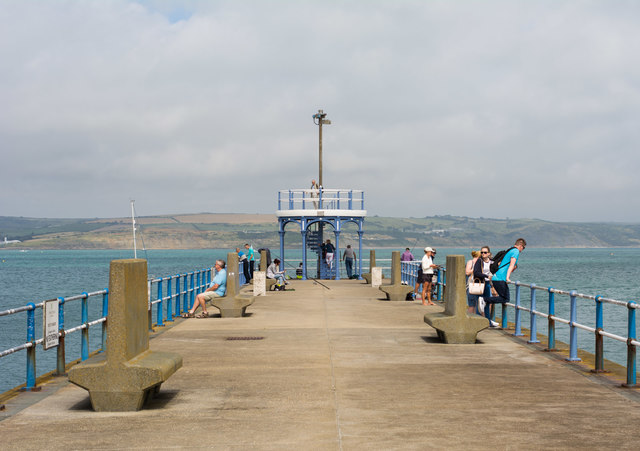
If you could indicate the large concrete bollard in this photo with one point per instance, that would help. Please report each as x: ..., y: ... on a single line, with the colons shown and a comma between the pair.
x: 233, y: 304
x: 128, y: 373
x: 269, y: 283
x: 396, y: 291
x: 454, y: 325
x: 372, y: 264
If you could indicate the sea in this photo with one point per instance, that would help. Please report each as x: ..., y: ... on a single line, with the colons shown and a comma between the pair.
x: 37, y: 275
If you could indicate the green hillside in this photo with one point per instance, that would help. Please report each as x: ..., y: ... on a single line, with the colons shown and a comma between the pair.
x: 208, y: 230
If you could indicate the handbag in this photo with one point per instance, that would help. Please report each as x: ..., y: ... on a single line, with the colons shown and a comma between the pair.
x: 476, y: 287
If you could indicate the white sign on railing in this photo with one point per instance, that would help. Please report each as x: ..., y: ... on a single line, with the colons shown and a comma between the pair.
x: 50, y: 315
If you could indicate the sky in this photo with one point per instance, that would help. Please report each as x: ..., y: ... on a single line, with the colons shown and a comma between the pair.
x: 496, y: 109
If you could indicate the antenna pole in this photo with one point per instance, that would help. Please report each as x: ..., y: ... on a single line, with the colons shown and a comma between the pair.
x: 320, y: 117
x: 133, y: 225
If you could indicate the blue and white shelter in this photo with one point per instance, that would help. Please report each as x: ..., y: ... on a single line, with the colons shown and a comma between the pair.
x: 334, y: 207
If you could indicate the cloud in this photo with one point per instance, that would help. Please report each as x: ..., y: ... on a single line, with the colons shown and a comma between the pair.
x: 494, y: 109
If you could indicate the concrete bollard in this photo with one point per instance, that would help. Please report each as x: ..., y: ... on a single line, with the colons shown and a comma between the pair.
x: 454, y: 325
x: 128, y: 373
x: 269, y: 283
x: 396, y: 291
x: 233, y: 304
x: 372, y: 263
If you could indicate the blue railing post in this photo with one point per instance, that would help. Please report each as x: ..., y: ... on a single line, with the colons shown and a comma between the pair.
x: 533, y: 323
x: 192, y: 295
x: 169, y: 300
x: 159, y: 320
x: 350, y: 199
x: 105, y: 314
x: 185, y: 294
x: 290, y: 200
x: 85, y: 331
x: 599, y: 363
x: 518, y: 332
x: 177, y: 308
x: 279, y: 199
x: 631, y: 349
x: 61, y: 360
x: 573, y: 330
x: 551, y: 325
x: 31, y: 352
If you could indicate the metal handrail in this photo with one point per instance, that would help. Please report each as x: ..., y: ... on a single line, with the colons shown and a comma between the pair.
x: 320, y: 199
x: 409, y: 276
x: 167, y: 303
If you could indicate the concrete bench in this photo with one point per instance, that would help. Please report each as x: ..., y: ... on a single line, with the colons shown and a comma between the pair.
x: 396, y: 291
x: 454, y: 325
x: 128, y: 373
x: 234, y: 304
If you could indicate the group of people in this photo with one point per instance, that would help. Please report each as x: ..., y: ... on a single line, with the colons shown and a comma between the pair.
x: 478, y: 269
x: 348, y: 257
x: 496, y: 289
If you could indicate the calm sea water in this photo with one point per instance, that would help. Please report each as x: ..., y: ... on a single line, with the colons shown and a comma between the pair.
x: 34, y: 276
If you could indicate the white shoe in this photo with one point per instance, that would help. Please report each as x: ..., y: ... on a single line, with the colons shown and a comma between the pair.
x: 493, y: 324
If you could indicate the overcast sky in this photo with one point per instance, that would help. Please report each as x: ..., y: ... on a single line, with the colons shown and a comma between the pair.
x: 520, y: 109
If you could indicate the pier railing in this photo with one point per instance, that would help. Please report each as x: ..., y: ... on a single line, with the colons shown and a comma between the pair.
x: 409, y: 276
x: 168, y: 298
x: 597, y: 327
x: 320, y: 199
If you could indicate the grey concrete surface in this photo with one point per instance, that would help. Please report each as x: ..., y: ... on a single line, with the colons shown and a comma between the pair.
x: 340, y: 369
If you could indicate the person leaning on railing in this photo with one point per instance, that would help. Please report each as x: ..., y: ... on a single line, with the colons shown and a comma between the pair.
x: 502, y: 276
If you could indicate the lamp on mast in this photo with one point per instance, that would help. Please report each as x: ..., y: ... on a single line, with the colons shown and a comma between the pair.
x: 319, y: 120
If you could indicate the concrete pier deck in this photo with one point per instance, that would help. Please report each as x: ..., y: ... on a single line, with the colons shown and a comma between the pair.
x: 341, y: 369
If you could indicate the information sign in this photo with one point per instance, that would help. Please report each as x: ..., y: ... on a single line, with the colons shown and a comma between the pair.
x: 50, y: 315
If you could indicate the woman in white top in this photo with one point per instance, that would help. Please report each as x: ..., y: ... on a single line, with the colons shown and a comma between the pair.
x: 425, y: 277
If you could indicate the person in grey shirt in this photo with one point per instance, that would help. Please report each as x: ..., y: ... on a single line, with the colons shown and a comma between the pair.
x: 349, y: 256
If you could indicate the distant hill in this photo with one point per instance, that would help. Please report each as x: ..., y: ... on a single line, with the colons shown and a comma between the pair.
x: 226, y: 230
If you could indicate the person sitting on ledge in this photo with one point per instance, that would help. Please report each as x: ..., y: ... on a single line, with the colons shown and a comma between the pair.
x: 273, y: 272
x: 217, y: 289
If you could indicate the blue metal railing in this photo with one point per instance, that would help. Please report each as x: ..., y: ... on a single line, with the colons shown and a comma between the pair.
x: 320, y: 199
x: 410, y: 273
x: 173, y: 296
x: 409, y: 276
x: 599, y: 333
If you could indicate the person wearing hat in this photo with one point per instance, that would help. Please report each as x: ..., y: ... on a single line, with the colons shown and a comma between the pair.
x: 425, y: 276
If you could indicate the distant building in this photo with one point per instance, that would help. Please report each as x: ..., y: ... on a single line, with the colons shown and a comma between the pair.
x: 5, y: 242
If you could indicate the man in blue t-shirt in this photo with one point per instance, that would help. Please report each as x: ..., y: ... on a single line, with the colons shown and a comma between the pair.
x: 217, y: 289
x: 251, y: 257
x: 500, y: 288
